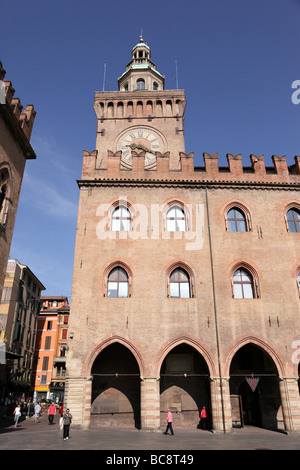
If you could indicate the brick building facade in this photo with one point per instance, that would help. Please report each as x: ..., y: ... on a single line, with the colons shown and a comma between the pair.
x: 16, y: 126
x: 51, y: 348
x: 19, y: 310
x: 186, y: 279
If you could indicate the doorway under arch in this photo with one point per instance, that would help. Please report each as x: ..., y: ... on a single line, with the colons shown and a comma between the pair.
x: 254, y: 389
x: 115, y: 388
x: 184, y: 387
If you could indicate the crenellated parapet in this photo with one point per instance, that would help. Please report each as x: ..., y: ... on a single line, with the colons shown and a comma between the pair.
x: 160, y: 168
x: 26, y: 116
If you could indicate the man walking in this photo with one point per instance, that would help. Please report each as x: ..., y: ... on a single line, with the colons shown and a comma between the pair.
x: 51, y: 413
x: 67, y: 418
x: 169, y: 423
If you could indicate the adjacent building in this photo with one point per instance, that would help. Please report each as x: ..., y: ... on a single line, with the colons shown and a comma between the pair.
x: 51, y: 348
x: 19, y: 310
x: 186, y: 278
x: 16, y: 126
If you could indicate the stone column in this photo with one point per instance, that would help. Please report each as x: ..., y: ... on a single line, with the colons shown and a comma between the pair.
x: 150, y: 403
x: 220, y: 404
x: 78, y: 391
x: 290, y: 402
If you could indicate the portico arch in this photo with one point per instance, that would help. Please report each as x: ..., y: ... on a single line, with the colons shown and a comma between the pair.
x: 256, y: 395
x: 114, y: 366
x: 184, y: 370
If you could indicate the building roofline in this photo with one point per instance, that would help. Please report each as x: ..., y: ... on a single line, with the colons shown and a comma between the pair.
x: 16, y: 130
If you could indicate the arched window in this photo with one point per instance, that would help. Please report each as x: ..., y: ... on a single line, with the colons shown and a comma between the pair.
x: 243, y: 286
x: 140, y: 84
x: 180, y: 284
x: 3, y: 192
x: 176, y: 219
x: 117, y: 283
x: 236, y: 220
x: 293, y: 220
x: 155, y: 86
x: 121, y: 219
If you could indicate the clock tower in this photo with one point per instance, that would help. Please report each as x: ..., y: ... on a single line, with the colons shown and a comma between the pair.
x: 141, y: 116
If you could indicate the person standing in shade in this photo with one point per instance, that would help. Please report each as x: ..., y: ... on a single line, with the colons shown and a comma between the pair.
x: 61, y: 414
x: 67, y: 421
x: 203, y: 418
x: 51, y: 413
x: 169, y: 423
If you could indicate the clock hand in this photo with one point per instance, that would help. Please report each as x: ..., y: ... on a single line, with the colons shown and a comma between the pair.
x: 139, y: 146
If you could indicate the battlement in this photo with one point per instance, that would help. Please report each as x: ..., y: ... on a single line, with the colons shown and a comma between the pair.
x: 280, y: 172
x: 26, y: 116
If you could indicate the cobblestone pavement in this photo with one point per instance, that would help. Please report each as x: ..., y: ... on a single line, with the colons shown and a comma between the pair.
x: 42, y: 436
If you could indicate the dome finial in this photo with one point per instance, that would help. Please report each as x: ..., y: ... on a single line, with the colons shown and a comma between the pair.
x: 141, y: 36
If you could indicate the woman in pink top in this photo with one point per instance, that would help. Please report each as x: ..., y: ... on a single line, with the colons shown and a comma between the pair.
x: 169, y: 423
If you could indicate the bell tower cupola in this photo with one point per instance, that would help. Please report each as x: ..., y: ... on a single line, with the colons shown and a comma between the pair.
x: 142, y: 117
x: 141, y: 73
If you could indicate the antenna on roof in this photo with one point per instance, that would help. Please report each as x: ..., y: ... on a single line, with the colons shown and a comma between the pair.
x: 104, y: 76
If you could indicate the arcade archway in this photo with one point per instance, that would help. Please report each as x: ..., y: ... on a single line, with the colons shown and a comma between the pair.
x: 184, y: 386
x: 115, y: 388
x: 254, y: 389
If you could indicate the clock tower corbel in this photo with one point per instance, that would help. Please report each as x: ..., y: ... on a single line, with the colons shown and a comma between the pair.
x: 142, y: 116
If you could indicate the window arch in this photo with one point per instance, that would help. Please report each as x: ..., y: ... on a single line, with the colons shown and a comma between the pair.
x: 293, y: 219
x: 237, y: 218
x: 176, y: 216
x: 176, y: 219
x: 121, y: 219
x: 140, y: 84
x: 180, y: 281
x: 244, y: 283
x: 4, y: 194
x: 180, y: 284
x: 118, y: 283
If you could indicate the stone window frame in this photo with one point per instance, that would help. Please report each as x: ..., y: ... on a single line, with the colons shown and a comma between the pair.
x: 109, y: 269
x: 140, y: 84
x: 189, y: 271
x: 5, y: 170
x: 241, y: 207
x: 254, y: 276
x: 184, y: 207
x: 114, y: 206
x: 291, y: 206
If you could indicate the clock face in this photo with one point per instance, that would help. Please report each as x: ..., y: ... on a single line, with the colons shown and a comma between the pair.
x: 140, y: 139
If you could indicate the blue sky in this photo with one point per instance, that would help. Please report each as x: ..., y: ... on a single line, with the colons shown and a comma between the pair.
x: 236, y: 59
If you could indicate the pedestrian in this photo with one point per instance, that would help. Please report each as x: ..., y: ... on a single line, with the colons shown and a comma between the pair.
x: 17, y: 413
x: 61, y: 409
x: 203, y: 418
x: 51, y: 413
x: 37, y: 410
x: 25, y: 410
x: 61, y: 413
x: 169, y: 423
x: 67, y: 421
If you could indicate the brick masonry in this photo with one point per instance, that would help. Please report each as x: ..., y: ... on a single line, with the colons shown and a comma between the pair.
x: 211, y: 327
